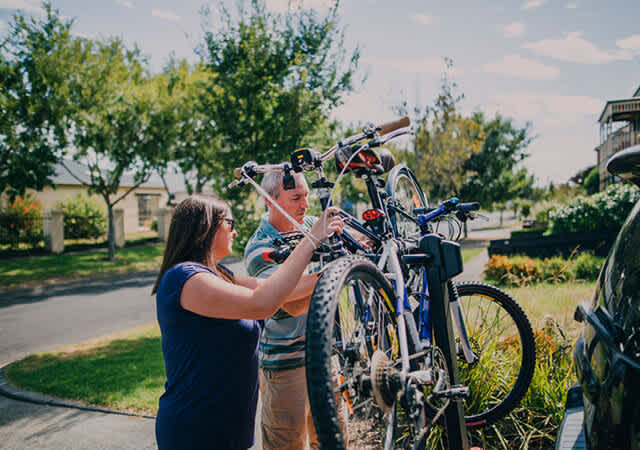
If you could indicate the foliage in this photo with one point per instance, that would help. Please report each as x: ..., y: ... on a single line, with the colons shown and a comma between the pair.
x: 493, y: 173
x: 38, y: 58
x: 603, y: 211
x: 21, y: 222
x: 444, y: 141
x: 525, y: 210
x: 83, y: 218
x: 591, y: 183
x: 194, y: 142
x: 272, y: 81
x: 522, y: 270
x: 534, y: 423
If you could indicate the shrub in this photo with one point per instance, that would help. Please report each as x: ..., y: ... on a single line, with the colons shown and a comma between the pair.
x: 21, y: 222
x: 556, y: 269
x: 600, y: 212
x: 587, y: 266
x: 83, y: 218
x: 522, y: 270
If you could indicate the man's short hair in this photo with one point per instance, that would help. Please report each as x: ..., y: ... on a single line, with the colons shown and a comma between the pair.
x: 272, y: 183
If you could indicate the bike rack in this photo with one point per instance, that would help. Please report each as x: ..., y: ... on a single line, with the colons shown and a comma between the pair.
x: 443, y: 262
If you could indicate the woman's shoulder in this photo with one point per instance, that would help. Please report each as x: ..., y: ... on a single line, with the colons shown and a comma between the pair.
x: 179, y: 273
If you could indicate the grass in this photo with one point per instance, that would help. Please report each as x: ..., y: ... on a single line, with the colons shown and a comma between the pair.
x: 469, y: 253
x: 123, y: 371
x: 53, y: 268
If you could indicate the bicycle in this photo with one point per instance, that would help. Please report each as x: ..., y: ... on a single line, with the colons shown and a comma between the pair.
x: 385, y: 328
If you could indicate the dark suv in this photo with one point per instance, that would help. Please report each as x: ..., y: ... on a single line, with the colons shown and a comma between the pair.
x: 603, y: 409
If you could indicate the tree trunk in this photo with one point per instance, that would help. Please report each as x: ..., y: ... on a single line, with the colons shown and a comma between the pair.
x: 111, y: 233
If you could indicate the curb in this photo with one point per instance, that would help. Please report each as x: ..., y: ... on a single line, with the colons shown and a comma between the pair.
x: 9, y: 390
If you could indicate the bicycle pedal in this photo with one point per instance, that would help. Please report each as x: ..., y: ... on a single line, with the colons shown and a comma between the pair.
x: 454, y: 392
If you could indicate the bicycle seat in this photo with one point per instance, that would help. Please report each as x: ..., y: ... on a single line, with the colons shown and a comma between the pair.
x: 375, y: 162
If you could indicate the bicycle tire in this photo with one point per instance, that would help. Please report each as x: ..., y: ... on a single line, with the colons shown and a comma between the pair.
x: 327, y: 337
x: 501, y: 354
x: 404, y: 188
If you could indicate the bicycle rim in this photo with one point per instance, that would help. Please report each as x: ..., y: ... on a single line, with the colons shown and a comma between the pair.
x: 502, y: 338
x: 405, y: 190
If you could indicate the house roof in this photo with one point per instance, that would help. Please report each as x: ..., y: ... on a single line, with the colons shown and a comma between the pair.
x: 175, y: 181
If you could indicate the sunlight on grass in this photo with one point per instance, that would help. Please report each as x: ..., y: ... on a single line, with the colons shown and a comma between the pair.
x: 69, y: 266
x: 123, y: 371
x: 470, y: 253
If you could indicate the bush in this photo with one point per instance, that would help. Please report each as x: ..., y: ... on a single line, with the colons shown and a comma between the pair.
x: 600, y: 212
x: 21, y: 222
x: 83, y: 218
x: 587, y: 266
x: 522, y: 270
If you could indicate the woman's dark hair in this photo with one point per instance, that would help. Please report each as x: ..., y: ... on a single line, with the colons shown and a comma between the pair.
x: 193, y: 227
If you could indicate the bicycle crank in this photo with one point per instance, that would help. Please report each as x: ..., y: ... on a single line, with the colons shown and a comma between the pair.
x: 386, y: 381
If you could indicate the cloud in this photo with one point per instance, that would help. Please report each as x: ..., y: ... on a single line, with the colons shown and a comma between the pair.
x: 432, y: 66
x: 282, y: 6
x: 573, y: 48
x: 164, y: 14
x: 632, y: 43
x: 532, y: 4
x: 125, y: 3
x: 546, y: 110
x: 25, y: 5
x: 422, y: 19
x: 572, y: 5
x: 519, y: 67
x: 514, y: 29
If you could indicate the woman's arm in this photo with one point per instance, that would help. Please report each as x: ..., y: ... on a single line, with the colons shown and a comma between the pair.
x: 210, y: 296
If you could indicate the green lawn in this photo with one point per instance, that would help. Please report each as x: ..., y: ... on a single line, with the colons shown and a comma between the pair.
x: 469, y: 253
x: 123, y: 371
x: 53, y: 268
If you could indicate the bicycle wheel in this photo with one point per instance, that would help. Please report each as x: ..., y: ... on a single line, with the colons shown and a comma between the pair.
x: 404, y: 189
x: 351, y: 355
x: 502, y: 338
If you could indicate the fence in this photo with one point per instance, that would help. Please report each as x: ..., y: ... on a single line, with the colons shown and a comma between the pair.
x: 562, y: 244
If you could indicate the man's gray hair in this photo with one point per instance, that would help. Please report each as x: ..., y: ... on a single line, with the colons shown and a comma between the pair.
x: 272, y: 183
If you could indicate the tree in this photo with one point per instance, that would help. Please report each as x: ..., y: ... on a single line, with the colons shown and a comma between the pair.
x: 195, y: 141
x: 493, y: 173
x: 273, y: 80
x: 117, y: 122
x: 38, y: 60
x: 591, y: 182
x: 444, y: 141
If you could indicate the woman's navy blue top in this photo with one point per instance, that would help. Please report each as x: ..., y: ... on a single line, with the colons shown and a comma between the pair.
x: 212, y: 372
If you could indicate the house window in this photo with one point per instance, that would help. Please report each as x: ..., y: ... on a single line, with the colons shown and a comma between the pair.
x: 147, y: 209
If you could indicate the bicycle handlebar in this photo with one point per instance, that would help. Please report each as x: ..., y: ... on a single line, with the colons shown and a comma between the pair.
x: 388, y: 127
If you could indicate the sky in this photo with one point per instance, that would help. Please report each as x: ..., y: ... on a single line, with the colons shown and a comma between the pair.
x: 550, y: 63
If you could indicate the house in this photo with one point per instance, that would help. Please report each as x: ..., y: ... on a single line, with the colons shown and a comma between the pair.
x: 140, y: 206
x: 619, y: 129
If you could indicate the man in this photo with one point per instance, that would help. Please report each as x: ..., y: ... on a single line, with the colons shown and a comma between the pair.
x: 286, y: 416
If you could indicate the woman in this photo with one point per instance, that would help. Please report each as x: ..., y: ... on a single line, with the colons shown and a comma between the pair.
x: 207, y: 318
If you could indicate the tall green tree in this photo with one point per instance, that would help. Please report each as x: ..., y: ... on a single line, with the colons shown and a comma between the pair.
x: 494, y: 174
x: 444, y: 141
x: 38, y: 60
x: 195, y: 141
x: 273, y: 80
x: 274, y: 77
x: 117, y: 123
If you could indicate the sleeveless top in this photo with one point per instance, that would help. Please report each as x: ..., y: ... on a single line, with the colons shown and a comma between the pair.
x: 211, y: 365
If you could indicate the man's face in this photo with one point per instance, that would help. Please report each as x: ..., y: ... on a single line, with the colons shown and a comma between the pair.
x: 294, y: 202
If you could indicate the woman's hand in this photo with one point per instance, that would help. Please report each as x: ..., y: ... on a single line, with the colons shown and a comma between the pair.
x: 330, y: 222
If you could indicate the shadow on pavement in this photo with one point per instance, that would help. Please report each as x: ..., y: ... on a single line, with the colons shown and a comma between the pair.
x: 77, y: 287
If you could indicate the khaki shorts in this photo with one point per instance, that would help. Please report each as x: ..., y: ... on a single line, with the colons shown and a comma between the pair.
x: 286, y: 416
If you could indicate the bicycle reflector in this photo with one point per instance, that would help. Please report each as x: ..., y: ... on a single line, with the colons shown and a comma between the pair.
x: 371, y: 215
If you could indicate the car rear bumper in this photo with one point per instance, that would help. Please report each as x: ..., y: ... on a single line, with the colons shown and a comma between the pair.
x: 571, y: 433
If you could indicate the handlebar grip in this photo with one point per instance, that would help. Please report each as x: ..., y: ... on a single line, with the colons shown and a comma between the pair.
x: 473, y: 206
x: 237, y: 172
x: 392, y: 126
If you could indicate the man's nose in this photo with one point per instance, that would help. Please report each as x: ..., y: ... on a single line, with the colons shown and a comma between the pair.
x: 305, y: 202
